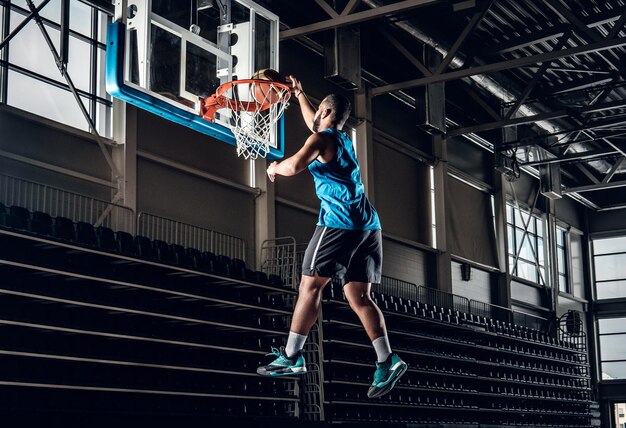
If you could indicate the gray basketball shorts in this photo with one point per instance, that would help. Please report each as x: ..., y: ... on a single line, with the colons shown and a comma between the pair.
x: 351, y: 255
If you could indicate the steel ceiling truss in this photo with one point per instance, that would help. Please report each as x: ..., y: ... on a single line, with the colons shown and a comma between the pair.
x: 502, y: 65
x: 578, y: 57
x: 344, y: 19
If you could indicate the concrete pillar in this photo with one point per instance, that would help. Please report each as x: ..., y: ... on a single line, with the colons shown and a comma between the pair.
x: 365, y: 139
x: 501, y: 284
x: 443, y: 260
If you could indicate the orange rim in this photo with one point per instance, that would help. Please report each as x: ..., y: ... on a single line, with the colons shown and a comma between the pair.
x: 215, y: 102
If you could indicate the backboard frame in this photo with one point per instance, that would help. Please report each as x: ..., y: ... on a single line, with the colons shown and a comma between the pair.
x: 119, y: 84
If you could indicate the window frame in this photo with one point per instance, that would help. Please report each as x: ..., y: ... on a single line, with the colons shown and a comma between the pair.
x: 593, y: 257
x: 94, y: 102
x: 532, y: 234
x: 599, y: 342
x: 567, y: 269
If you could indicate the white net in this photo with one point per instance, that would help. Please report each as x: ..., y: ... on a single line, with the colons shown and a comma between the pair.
x: 255, y: 108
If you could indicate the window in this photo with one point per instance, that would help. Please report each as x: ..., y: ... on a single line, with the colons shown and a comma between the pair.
x: 34, y: 83
x: 612, y: 334
x: 526, y: 249
x: 562, y: 263
x: 432, y: 207
x: 609, y: 260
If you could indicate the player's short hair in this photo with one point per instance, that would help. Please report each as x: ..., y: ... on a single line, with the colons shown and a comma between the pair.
x: 340, y: 106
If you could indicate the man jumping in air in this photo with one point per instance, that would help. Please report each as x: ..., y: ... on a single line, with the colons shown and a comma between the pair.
x: 347, y: 241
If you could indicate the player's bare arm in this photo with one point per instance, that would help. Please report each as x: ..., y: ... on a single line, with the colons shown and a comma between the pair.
x: 314, y: 146
x: 308, y: 112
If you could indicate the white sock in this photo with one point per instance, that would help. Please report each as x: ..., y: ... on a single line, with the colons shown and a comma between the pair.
x: 295, y: 343
x: 382, y: 348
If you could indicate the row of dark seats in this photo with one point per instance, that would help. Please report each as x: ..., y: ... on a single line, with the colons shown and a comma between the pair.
x: 411, y: 307
x: 528, y: 334
x: 550, y: 353
x: 543, y: 366
x: 407, y: 306
x: 536, y: 393
x: 539, y: 379
x: 104, y: 238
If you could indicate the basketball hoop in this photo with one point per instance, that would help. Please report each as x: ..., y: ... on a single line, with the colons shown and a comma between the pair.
x: 254, y: 107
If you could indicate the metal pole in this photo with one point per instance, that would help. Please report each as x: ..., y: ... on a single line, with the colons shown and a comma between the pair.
x: 63, y: 70
x: 23, y: 24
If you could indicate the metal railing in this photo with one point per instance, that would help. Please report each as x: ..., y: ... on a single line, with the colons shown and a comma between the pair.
x: 190, y: 236
x: 531, y: 321
x: 62, y: 203
x: 397, y: 287
x: 279, y: 257
x: 488, y: 310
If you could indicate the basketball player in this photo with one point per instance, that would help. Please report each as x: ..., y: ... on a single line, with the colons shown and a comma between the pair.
x: 346, y: 243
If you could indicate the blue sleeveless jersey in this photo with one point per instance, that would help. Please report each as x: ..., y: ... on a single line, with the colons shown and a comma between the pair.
x: 338, y: 186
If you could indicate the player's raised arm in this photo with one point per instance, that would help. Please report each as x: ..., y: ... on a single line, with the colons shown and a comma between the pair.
x: 308, y: 112
x: 295, y: 164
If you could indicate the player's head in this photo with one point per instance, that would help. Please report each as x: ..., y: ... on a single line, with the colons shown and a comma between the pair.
x: 336, y: 108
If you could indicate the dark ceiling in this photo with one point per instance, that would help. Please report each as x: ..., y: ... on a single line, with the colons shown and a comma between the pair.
x: 553, y: 70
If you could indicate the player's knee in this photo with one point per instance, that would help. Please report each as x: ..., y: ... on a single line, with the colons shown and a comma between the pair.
x: 360, y: 300
x: 310, y: 287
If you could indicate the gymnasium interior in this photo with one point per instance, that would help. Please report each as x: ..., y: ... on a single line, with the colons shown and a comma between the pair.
x: 146, y: 270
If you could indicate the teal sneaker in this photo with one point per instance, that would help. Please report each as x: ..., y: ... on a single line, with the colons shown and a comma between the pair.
x: 282, y: 365
x: 386, y: 376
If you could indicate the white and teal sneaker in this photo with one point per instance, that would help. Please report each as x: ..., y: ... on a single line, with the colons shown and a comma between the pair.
x: 386, y: 376
x: 283, y: 365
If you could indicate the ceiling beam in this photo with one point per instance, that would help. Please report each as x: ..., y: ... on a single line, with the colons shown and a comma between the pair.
x: 480, y: 101
x: 617, y: 27
x: 543, y: 116
x: 327, y: 8
x: 581, y: 156
x: 594, y: 187
x: 536, y: 77
x: 355, y: 18
x: 570, y: 70
x: 551, y: 33
x: 528, y: 40
x: 405, y: 52
x: 587, y: 173
x: 352, y: 4
x: 618, y: 163
x: 540, y: 139
x: 569, y: 16
x: 591, y: 35
x: 503, y: 65
x: 467, y: 31
x: 580, y: 84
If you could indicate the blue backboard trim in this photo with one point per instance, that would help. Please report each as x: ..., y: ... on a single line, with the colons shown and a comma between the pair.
x: 116, y: 87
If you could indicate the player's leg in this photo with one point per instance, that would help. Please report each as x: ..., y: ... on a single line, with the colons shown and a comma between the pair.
x: 317, y: 269
x: 359, y: 298
x: 389, y: 366
x: 308, y: 304
x: 364, y: 269
x: 289, y: 359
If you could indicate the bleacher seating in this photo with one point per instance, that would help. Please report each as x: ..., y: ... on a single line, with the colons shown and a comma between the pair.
x: 195, y: 337
x: 63, y: 229
x: 125, y: 243
x: 464, y: 368
x: 14, y: 217
x: 85, y: 234
x: 40, y: 223
x: 105, y: 239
